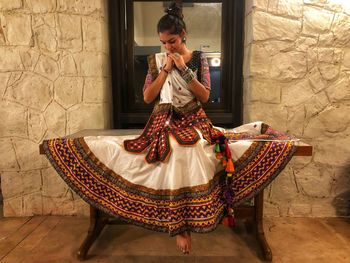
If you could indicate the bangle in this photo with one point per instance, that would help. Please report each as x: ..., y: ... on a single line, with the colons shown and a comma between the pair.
x: 184, y: 69
x: 167, y: 72
x: 187, y: 74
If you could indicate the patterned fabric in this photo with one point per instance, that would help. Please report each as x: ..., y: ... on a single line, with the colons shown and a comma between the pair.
x: 167, y: 120
x: 267, y: 133
x: 198, y: 209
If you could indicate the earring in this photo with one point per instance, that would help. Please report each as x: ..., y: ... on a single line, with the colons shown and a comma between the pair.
x: 184, y: 40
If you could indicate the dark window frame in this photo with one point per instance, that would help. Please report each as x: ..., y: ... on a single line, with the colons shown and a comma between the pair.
x: 127, y: 114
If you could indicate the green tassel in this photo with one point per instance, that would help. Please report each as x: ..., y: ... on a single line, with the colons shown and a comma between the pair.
x: 217, y: 148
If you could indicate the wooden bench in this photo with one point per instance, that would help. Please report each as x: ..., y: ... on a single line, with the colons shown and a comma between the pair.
x: 252, y: 213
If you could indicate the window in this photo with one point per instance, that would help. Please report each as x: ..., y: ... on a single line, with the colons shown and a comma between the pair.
x: 133, y: 37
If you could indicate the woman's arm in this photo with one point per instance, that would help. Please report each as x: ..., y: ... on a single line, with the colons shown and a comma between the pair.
x: 152, y: 88
x: 199, y: 88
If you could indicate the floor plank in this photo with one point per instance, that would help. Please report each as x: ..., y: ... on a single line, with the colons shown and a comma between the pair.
x: 11, y: 225
x: 25, y: 248
x: 305, y: 240
x: 57, y: 239
x: 11, y: 241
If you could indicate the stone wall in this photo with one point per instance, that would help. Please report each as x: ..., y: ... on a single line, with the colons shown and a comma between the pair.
x: 54, y: 80
x: 297, y: 79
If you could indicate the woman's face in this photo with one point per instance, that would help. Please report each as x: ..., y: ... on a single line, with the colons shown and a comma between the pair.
x: 172, y: 43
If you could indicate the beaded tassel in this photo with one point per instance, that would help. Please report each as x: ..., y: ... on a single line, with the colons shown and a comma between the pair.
x: 223, y: 153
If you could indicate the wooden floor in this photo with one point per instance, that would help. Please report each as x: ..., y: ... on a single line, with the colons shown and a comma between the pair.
x: 56, y: 239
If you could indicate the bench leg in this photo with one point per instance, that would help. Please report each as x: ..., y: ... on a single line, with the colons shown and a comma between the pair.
x: 97, y: 223
x: 260, y: 235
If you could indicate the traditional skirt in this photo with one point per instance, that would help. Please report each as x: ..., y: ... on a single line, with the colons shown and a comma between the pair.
x: 168, y: 179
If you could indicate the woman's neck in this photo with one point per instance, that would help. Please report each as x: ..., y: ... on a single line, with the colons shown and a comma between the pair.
x: 185, y: 51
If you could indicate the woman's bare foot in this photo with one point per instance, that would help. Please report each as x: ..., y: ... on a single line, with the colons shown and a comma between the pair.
x: 183, y: 242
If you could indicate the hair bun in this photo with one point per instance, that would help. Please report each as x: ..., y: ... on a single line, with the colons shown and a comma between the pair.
x: 174, y: 10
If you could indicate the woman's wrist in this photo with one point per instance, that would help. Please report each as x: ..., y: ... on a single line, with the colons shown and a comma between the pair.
x: 187, y: 74
x: 183, y: 68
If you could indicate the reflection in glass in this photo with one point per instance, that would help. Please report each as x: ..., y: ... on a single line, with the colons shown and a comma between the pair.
x: 203, y: 21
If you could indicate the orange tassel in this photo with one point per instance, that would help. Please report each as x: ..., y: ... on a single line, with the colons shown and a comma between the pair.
x: 229, y: 167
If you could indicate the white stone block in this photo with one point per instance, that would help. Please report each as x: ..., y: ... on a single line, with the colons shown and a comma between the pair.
x: 17, y: 29
x: 67, y: 65
x: 47, y: 67
x: 7, y: 156
x: 331, y: 121
x: 32, y: 204
x: 316, y: 80
x: 315, y: 180
x: 296, y: 92
x: 46, y: 38
x: 41, y: 6
x: 339, y: 90
x: 13, y: 207
x: 11, y: 184
x: 4, y: 78
x: 6, y: 5
x: 267, y: 26
x: 31, y: 90
x: 263, y: 90
x: 315, y: 104
x: 96, y: 89
x: 340, y: 28
x: 55, y: 118
x: 326, y: 154
x: 292, y: 8
x: 13, y: 119
x: 329, y: 71
x: 58, y: 206
x: 299, y: 210
x: 68, y: 91
x: 304, y: 43
x: 320, y: 3
x: 93, y: 34
x: 91, y: 64
x: 316, y: 20
x: 295, y: 120
x: 87, y: 116
x: 323, y: 208
x: 69, y: 37
x: 30, y: 58
x: 283, y: 189
x: 28, y: 155
x: 10, y: 59
x: 36, y: 125
x: 272, y: 114
x: 82, y: 7
x: 288, y: 66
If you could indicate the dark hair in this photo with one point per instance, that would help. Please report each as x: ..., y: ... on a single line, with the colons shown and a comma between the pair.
x: 173, y: 21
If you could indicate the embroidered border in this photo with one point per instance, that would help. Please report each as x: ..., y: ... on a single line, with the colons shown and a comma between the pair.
x: 190, y: 210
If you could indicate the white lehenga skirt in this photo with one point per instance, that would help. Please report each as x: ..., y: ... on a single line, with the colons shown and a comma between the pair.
x: 183, y: 193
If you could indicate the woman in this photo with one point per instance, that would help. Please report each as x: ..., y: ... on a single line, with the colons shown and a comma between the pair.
x: 181, y: 78
x: 168, y: 179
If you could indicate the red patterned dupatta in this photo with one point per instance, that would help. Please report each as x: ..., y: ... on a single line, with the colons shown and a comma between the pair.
x: 168, y: 120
